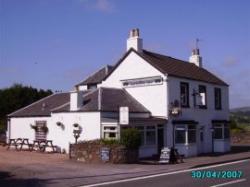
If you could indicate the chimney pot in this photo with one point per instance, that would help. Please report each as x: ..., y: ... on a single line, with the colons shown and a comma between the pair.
x: 195, y: 58
x: 134, y: 41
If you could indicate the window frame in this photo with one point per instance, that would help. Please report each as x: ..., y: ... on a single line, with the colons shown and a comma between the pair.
x: 143, y: 130
x: 187, y: 130
x: 186, y: 87
x: 205, y: 91
x: 110, y: 129
x: 222, y: 127
x: 217, y: 101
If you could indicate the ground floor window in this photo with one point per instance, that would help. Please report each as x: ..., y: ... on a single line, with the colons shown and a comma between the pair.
x: 109, y: 132
x: 221, y: 131
x: 185, y: 134
x: 148, y: 135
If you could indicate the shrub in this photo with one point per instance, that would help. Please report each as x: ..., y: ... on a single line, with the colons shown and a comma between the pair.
x: 130, y: 138
x: 109, y: 142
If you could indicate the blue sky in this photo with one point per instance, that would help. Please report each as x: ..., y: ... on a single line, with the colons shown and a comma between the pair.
x: 56, y: 43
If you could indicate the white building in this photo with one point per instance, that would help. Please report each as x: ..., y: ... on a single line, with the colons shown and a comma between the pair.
x: 172, y: 102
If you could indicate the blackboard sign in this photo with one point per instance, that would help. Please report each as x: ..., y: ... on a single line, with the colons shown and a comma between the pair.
x: 105, y: 154
x: 165, y: 155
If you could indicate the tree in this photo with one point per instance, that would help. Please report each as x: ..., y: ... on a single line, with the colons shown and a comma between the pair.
x: 16, y: 97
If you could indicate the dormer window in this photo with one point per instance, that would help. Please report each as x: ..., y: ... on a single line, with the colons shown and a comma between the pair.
x: 184, y: 93
x: 91, y: 86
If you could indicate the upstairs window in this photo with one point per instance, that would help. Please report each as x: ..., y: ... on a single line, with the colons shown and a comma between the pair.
x: 184, y: 93
x: 217, y: 98
x: 203, y: 97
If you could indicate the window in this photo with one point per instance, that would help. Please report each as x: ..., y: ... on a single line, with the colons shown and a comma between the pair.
x: 191, y: 134
x: 217, y: 98
x: 150, y: 135
x: 226, y: 131
x: 221, y: 131
x: 91, y: 86
x: 141, y: 130
x: 203, y: 97
x: 185, y: 134
x: 148, y: 81
x: 110, y: 132
x: 180, y: 134
x: 184, y: 93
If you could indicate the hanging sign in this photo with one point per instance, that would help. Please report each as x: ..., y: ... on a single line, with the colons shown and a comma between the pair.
x: 124, y: 116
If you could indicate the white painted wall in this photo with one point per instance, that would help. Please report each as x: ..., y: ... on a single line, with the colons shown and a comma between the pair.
x: 147, y: 151
x: 152, y: 97
x: 187, y: 150
x: 222, y: 145
x: 82, y: 87
x: 20, y: 127
x: 203, y: 116
x: 89, y: 121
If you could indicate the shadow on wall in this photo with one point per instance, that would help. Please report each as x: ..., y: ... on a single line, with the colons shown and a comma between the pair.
x: 8, y: 180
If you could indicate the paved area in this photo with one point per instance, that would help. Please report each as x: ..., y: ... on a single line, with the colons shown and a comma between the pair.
x: 233, y: 174
x: 42, y: 169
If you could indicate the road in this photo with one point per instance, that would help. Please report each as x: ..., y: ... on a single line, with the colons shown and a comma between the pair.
x: 184, y: 178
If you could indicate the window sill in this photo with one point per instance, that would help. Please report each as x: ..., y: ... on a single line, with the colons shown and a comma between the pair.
x: 218, y: 109
x: 203, y: 107
x: 148, y: 146
x: 185, y: 144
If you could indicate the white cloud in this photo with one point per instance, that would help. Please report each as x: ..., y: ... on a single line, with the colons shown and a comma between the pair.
x: 99, y: 5
x: 230, y: 62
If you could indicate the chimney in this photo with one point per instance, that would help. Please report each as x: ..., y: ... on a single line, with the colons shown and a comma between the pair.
x: 76, y: 100
x: 195, y: 58
x: 134, y: 41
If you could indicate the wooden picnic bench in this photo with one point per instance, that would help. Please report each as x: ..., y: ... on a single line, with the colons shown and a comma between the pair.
x: 19, y: 144
x: 41, y: 145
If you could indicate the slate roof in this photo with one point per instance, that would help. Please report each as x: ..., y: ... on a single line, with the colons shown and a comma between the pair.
x: 174, y: 67
x: 97, y: 77
x: 107, y: 100
x: 42, y: 107
x: 180, y: 68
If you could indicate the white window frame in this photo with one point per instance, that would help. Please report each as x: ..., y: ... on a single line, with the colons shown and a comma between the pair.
x: 185, y: 127
x: 116, y: 131
x: 221, y: 126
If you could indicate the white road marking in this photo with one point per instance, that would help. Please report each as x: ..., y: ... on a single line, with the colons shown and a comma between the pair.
x: 228, y: 183
x: 161, y: 174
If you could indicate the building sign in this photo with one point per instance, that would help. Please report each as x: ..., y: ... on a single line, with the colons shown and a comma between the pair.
x: 124, y: 115
x: 105, y: 154
x: 165, y: 155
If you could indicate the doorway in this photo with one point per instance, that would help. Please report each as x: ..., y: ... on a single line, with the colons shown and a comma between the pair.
x: 160, y: 138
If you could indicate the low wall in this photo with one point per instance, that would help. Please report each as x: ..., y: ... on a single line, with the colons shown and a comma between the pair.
x: 93, y: 153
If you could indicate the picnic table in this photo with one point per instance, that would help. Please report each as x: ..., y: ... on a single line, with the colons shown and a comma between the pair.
x: 38, y: 145
x: 41, y: 145
x: 16, y: 143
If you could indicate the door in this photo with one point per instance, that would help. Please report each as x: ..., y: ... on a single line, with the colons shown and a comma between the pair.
x: 201, y: 140
x: 160, y: 139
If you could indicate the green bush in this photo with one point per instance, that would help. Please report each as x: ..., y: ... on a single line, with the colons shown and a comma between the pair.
x: 110, y: 142
x: 131, y: 138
